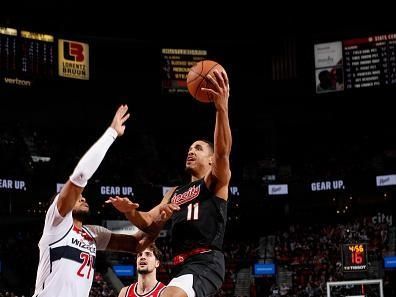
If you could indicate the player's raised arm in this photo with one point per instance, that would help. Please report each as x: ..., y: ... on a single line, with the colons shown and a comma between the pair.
x: 90, y: 162
x: 220, y: 173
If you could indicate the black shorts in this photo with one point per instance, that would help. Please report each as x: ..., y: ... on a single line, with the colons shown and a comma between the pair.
x: 208, y: 270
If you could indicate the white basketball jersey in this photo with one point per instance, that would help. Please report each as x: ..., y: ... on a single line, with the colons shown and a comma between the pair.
x: 67, y: 256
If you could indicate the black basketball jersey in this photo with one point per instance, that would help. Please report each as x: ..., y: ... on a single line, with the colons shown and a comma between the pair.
x: 201, y: 220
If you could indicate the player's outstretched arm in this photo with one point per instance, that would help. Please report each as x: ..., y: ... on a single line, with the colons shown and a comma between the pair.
x: 90, y: 162
x: 150, y: 222
x: 220, y: 175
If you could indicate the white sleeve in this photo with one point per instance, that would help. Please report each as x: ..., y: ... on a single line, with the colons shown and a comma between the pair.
x: 92, y: 158
x: 101, y: 236
x: 54, y: 222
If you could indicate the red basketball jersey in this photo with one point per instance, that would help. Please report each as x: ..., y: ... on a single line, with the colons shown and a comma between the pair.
x: 155, y: 292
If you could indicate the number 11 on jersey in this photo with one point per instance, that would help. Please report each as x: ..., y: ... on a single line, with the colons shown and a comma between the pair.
x: 192, y: 211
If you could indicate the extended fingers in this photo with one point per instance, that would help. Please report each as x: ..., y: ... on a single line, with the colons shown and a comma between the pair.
x: 214, y: 82
x: 225, y: 79
x: 168, y: 209
x: 219, y: 78
x: 118, y: 201
x: 111, y: 200
x: 209, y: 91
x: 122, y: 110
x: 174, y: 206
x: 125, y: 117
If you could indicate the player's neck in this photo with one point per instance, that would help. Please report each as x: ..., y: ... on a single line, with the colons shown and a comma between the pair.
x: 146, y: 282
x: 77, y: 223
x: 197, y: 176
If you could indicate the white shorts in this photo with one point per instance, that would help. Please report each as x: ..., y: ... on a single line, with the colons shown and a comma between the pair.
x: 184, y: 282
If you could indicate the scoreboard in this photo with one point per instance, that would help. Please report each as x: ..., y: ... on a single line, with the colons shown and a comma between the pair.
x: 27, y: 56
x: 354, y: 257
x: 355, y: 63
x: 175, y: 65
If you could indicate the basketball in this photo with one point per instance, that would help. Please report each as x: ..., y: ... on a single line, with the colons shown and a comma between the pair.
x: 197, y: 79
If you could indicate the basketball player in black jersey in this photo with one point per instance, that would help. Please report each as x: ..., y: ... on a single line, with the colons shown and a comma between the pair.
x: 197, y: 229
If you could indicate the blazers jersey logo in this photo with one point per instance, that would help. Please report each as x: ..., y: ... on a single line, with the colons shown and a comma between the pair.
x: 187, y: 196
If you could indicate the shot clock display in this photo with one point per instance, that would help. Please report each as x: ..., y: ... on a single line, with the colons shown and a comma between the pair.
x: 354, y: 257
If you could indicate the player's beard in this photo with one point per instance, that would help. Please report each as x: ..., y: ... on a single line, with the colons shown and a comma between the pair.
x: 80, y: 215
x: 188, y: 169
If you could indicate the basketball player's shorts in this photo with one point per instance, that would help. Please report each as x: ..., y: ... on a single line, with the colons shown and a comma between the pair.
x: 200, y: 275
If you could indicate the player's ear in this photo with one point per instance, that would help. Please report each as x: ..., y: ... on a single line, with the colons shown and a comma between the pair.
x: 157, y: 263
x: 211, y: 160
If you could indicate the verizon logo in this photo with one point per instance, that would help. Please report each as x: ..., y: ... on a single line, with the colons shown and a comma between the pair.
x: 17, y: 81
x: 187, y: 196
